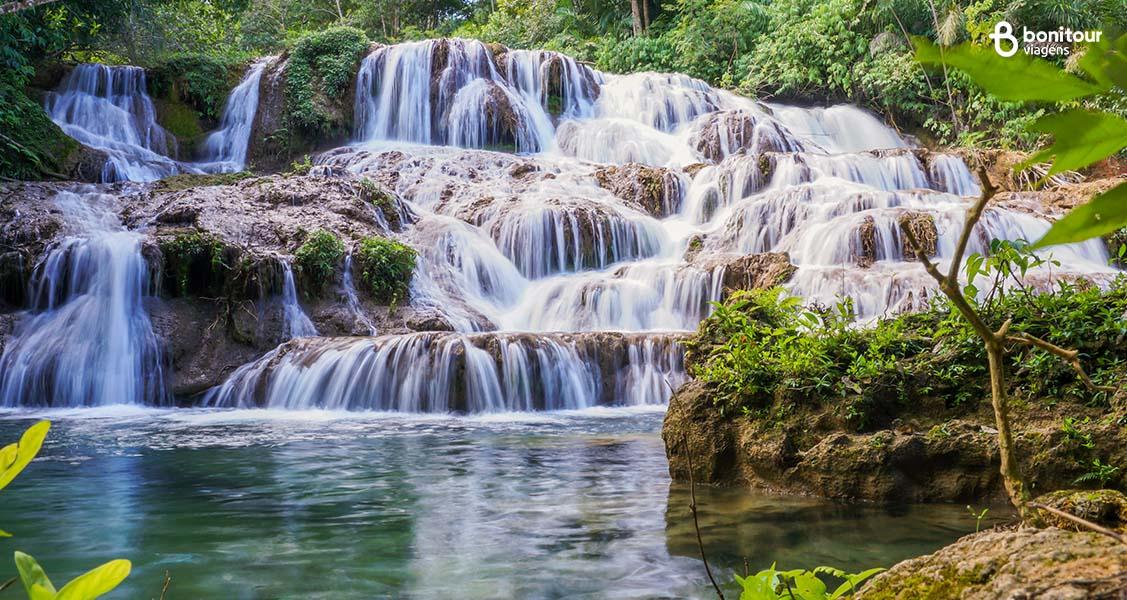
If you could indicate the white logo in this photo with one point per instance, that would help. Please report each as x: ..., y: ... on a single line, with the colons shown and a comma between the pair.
x: 1039, y: 43
x: 1004, y: 31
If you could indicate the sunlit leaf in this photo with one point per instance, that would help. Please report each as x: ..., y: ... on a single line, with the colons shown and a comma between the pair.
x: 852, y: 582
x: 1102, y: 215
x: 807, y: 586
x: 1080, y: 138
x: 96, y: 582
x: 1017, y: 78
x: 34, y: 578
x: 1106, y: 61
x: 13, y: 460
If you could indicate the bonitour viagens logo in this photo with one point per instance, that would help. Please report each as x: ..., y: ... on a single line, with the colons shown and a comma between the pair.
x: 1039, y: 43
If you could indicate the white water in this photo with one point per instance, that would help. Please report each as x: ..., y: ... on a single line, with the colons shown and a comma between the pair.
x: 532, y: 249
x: 226, y: 148
x: 109, y: 108
x: 87, y: 341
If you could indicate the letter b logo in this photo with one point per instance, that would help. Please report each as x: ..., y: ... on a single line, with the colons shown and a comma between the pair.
x: 1004, y: 31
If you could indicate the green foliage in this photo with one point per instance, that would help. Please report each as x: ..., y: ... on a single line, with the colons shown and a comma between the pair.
x: 761, y: 350
x: 202, y: 81
x: 88, y: 586
x: 321, y: 68
x: 1098, y: 473
x: 31, y: 146
x: 978, y: 517
x: 800, y: 584
x: 1080, y: 137
x: 386, y: 267
x: 193, y: 263
x: 14, y: 458
x: 317, y: 259
x: 301, y: 166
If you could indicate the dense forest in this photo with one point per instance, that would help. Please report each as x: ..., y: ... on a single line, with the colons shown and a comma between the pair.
x: 814, y: 51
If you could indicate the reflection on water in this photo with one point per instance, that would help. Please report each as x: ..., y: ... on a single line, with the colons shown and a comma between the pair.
x: 258, y: 504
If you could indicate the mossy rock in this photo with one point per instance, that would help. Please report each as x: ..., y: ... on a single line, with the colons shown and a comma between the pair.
x: 182, y: 121
x: 194, y: 264
x: 31, y: 145
x: 185, y: 181
x: 1102, y: 507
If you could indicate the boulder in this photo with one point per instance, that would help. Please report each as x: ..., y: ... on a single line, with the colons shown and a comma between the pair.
x: 655, y: 190
x: 730, y: 131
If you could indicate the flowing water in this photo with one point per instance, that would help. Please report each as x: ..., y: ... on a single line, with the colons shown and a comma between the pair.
x: 570, y: 266
x: 276, y: 504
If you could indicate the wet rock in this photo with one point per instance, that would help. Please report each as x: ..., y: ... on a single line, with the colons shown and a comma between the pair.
x: 1102, y: 507
x: 429, y: 321
x: 85, y: 164
x: 1022, y: 563
x: 757, y: 271
x: 922, y: 226
x: 865, y: 253
x: 655, y: 190
x: 727, y: 132
x: 269, y: 148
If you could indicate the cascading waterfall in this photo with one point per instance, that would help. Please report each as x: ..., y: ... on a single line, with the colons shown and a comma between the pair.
x: 86, y: 340
x: 297, y: 322
x: 226, y: 148
x: 109, y: 108
x: 353, y: 299
x: 570, y: 269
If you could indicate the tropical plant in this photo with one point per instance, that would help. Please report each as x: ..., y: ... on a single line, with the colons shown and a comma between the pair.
x: 1081, y: 138
x: 800, y: 584
x: 88, y: 586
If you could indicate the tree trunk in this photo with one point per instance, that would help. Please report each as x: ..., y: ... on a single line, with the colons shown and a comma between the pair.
x: 645, y: 16
x: 636, y: 17
x: 1011, y: 472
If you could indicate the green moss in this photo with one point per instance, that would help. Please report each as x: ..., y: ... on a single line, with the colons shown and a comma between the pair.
x: 381, y: 199
x: 31, y: 145
x: 386, y: 267
x: 317, y: 260
x: 200, y: 81
x: 193, y: 263
x: 186, y: 181
x: 321, y: 69
x: 180, y: 120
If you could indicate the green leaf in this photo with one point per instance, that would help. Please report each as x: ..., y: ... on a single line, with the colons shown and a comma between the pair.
x: 34, y: 578
x: 852, y: 582
x: 96, y: 581
x: 1018, y: 78
x: 4, y: 533
x: 1106, y: 61
x: 1102, y: 215
x: 13, y: 458
x: 1080, y: 138
x: 808, y: 587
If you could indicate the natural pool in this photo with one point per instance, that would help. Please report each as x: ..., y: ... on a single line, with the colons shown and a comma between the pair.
x: 266, y: 504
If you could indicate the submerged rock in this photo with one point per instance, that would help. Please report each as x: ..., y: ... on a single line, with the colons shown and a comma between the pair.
x: 999, y: 563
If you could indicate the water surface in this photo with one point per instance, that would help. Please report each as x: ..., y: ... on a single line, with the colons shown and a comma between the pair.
x: 265, y: 504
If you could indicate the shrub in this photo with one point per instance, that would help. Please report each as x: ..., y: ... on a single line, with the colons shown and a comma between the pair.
x: 317, y: 259
x: 321, y: 69
x: 761, y: 349
x: 31, y: 145
x: 386, y: 267
x: 199, y: 80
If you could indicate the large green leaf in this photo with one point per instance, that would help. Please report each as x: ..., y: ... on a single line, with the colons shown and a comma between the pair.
x: 1106, y: 61
x: 96, y: 582
x: 1017, y: 78
x: 1080, y: 138
x: 13, y: 457
x: 1102, y: 215
x: 807, y: 586
x: 34, y: 578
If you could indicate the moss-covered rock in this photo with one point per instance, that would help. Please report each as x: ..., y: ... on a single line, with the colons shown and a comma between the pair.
x: 317, y: 260
x: 386, y: 267
x: 655, y: 190
x: 1102, y: 507
x: 1023, y: 563
x: 319, y: 77
x: 185, y: 181
x: 194, y: 263
x: 31, y: 145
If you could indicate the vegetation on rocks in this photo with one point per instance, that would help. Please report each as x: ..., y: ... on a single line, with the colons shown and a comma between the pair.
x: 386, y: 267
x: 200, y: 81
x: 193, y: 263
x: 320, y: 73
x: 186, y: 181
x: 317, y: 260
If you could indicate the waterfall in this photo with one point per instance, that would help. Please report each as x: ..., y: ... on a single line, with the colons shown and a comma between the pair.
x: 353, y: 299
x: 440, y: 372
x: 226, y: 148
x: 87, y: 340
x: 109, y: 109
x: 297, y: 322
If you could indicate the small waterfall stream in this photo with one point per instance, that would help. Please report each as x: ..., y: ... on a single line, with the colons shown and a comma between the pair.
x: 108, y: 108
x: 571, y: 266
x: 87, y: 340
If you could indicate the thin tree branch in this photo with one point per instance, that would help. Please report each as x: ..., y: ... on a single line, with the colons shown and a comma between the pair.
x: 1082, y: 522
x: 975, y: 213
x: 1072, y: 357
x: 696, y: 523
